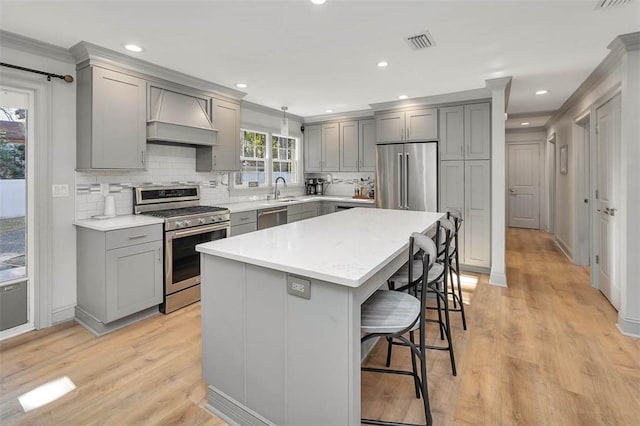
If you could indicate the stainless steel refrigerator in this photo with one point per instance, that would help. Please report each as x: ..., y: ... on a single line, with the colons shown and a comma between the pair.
x: 407, y: 176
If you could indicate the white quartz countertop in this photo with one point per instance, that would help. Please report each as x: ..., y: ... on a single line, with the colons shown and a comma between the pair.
x: 345, y: 248
x: 118, y: 222
x: 263, y: 204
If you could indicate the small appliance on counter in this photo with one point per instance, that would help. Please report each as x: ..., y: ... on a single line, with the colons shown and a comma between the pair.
x: 311, y: 186
x: 319, y: 186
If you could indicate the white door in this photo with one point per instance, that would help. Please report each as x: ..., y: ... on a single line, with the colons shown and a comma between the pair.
x: 607, y: 133
x: 524, y: 185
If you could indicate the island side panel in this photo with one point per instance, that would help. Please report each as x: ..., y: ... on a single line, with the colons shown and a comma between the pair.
x: 223, y: 327
x: 265, y: 342
x: 318, y: 382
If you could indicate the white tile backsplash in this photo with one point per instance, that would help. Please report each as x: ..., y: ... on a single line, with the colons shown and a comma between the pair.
x: 166, y: 164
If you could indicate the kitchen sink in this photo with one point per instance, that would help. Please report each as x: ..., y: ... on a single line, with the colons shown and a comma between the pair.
x: 286, y: 201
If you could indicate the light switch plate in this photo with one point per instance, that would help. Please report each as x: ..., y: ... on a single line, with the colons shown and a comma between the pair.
x: 300, y: 287
x: 60, y: 191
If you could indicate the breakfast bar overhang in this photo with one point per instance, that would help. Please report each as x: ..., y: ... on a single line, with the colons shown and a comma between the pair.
x: 281, y: 314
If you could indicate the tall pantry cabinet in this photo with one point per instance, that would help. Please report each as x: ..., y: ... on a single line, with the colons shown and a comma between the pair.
x: 465, y: 177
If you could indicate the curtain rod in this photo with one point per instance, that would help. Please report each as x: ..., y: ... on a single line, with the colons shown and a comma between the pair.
x: 66, y: 78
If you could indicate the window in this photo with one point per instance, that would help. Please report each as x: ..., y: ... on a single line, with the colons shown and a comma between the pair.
x: 284, y: 154
x: 264, y: 158
x: 252, y: 160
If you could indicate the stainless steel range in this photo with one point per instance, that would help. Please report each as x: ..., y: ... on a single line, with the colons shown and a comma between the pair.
x: 186, y: 224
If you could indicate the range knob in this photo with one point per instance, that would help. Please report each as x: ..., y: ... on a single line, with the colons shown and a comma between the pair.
x: 179, y: 224
x: 201, y: 220
x: 214, y: 218
x: 187, y: 222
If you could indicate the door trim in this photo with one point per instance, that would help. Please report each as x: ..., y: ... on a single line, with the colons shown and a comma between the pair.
x: 582, y: 138
x: 42, y: 209
x: 550, y: 176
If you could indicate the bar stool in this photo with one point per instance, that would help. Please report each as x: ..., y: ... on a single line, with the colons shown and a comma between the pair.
x: 391, y: 314
x: 437, y: 284
x: 454, y: 267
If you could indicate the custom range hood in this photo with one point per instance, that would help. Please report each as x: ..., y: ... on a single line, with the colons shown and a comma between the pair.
x: 179, y: 118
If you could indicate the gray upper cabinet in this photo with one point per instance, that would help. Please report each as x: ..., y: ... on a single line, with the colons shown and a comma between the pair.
x: 465, y: 132
x: 331, y: 147
x: 410, y: 125
x: 225, y: 156
x: 452, y: 133
x: 111, y: 120
x: 347, y: 146
x: 477, y: 131
x: 313, y: 148
x: 349, y: 149
x: 367, y: 136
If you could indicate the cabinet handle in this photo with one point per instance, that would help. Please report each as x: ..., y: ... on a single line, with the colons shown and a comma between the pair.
x: 142, y: 157
x: 408, y: 133
x: 137, y: 237
x: 402, y: 133
x: 468, y: 150
x: 245, y: 218
x: 159, y: 255
x: 215, y: 160
x: 462, y: 150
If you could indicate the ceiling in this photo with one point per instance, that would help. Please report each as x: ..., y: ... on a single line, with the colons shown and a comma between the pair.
x: 313, y: 58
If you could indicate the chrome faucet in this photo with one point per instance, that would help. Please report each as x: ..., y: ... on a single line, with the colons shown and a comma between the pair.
x: 276, y: 193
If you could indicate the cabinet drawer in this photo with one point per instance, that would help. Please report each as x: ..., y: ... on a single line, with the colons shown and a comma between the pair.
x: 294, y: 218
x: 243, y: 228
x: 132, y: 236
x: 310, y: 207
x: 294, y: 210
x: 243, y: 217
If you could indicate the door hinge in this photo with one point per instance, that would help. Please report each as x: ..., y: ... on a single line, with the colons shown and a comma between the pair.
x: 597, y: 259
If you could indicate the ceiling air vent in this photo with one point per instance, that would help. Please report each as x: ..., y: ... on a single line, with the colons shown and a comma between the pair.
x: 605, y: 4
x: 420, y: 41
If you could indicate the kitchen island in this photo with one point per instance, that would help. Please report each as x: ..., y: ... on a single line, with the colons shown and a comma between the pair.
x: 281, y: 314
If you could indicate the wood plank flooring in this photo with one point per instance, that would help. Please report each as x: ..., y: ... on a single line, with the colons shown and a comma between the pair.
x: 544, y: 351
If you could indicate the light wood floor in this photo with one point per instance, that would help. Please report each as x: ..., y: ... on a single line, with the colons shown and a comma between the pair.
x: 544, y: 351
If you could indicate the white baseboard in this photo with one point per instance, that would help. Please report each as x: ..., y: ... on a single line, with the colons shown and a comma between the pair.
x: 564, y: 248
x: 629, y: 327
x: 498, y: 279
x: 61, y: 315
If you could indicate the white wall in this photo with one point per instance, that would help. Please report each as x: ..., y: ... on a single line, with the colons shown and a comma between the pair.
x: 61, y: 143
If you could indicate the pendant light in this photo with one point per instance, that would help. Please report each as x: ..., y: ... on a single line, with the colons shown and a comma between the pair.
x: 284, y: 124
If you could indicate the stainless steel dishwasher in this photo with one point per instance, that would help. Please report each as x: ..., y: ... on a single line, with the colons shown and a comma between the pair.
x: 272, y: 217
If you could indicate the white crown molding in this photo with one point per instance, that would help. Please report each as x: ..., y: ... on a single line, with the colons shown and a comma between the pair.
x: 501, y: 83
x: 618, y: 46
x: 33, y: 46
x: 626, y: 42
x: 268, y: 110
x: 86, y: 53
x: 344, y: 116
x: 435, y: 100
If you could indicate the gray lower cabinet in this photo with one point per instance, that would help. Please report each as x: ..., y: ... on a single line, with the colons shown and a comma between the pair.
x: 120, y: 273
x: 244, y: 222
x: 294, y: 213
x: 225, y: 156
x: 111, y: 120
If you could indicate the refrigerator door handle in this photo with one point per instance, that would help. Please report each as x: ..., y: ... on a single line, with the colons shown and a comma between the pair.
x: 400, y: 180
x: 406, y: 181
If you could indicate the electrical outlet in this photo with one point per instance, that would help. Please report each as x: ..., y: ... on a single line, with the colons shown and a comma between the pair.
x: 60, y: 191
x: 299, y: 287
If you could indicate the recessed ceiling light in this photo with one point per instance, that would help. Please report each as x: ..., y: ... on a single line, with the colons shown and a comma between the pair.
x: 318, y: 2
x: 328, y: 110
x: 241, y: 85
x: 133, y: 48
x: 383, y: 64
x: 401, y: 97
x: 542, y: 92
x: 526, y: 123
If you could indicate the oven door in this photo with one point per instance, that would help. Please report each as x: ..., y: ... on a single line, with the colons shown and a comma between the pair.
x: 182, y: 261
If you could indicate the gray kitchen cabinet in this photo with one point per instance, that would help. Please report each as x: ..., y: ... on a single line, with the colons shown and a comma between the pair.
x: 313, y: 148
x: 120, y: 273
x: 466, y: 186
x: 310, y: 210
x: 349, y: 146
x: 328, y: 207
x: 477, y: 131
x: 243, y: 222
x: 225, y: 156
x: 111, y: 120
x: 465, y: 132
x: 367, y: 145
x: 331, y: 147
x: 294, y: 213
x: 410, y: 125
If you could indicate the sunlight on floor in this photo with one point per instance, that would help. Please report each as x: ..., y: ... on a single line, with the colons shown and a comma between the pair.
x: 44, y: 394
